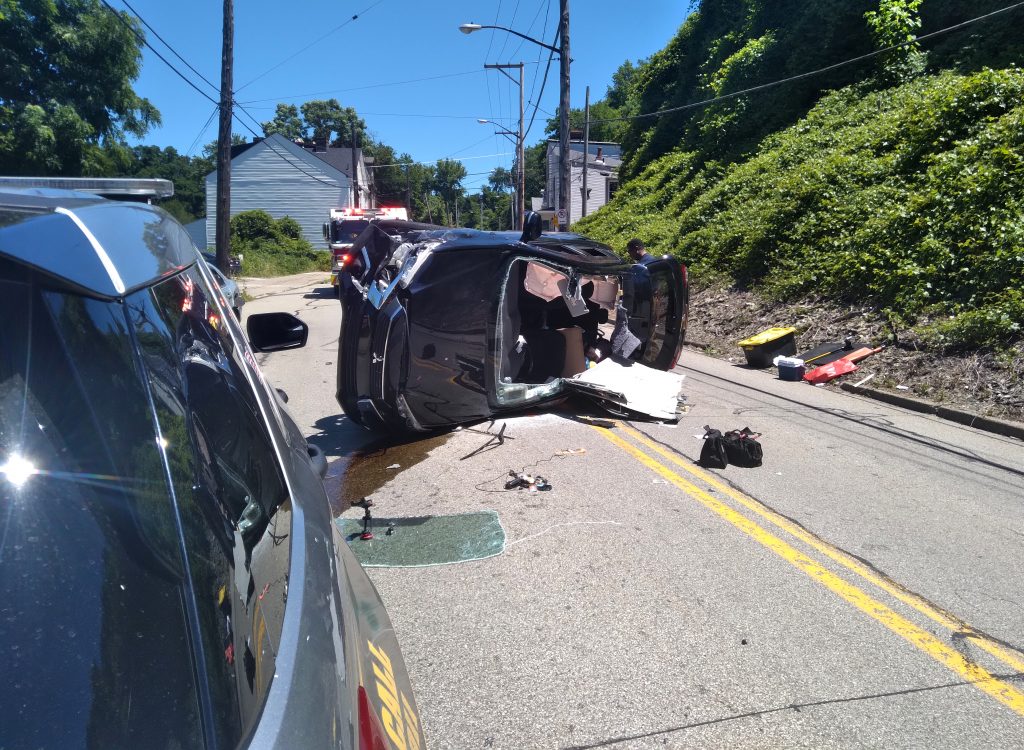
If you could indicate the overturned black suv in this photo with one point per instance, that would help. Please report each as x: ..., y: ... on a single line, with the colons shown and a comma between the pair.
x: 444, y: 326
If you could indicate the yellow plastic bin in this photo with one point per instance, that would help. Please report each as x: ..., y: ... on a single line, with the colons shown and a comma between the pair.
x: 761, y: 349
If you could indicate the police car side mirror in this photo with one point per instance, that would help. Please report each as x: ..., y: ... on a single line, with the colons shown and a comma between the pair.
x: 272, y: 332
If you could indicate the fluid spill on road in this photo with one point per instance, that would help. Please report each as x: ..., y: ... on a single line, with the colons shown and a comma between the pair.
x: 354, y: 477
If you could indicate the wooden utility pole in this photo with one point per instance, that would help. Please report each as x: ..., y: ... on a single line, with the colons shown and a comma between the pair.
x: 521, y: 187
x: 564, y: 174
x: 223, y: 227
x: 408, y: 192
x: 520, y: 178
x: 586, y: 148
x: 355, y: 168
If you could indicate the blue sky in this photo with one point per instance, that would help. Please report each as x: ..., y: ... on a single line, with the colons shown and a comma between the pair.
x: 403, y: 65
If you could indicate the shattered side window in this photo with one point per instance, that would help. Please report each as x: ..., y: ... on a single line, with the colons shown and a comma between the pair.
x: 93, y: 627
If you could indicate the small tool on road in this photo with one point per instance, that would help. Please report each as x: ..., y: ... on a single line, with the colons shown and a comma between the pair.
x: 521, y: 481
x: 365, y: 504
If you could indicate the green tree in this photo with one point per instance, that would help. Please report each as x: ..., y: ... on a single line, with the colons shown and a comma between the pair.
x: 323, y: 117
x: 419, y: 181
x: 606, y: 122
x: 897, y: 22
x: 501, y: 179
x: 535, y: 158
x: 620, y: 91
x: 447, y: 183
x: 65, y: 85
x: 286, y: 122
x: 187, y: 174
x: 210, y: 149
x: 389, y: 173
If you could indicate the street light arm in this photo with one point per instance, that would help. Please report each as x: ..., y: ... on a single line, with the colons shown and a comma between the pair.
x: 469, y: 28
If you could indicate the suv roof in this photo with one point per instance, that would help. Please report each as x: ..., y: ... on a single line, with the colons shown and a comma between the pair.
x: 568, y: 243
x: 44, y: 227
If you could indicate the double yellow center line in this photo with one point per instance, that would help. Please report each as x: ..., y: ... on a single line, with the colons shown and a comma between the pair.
x: 971, y: 672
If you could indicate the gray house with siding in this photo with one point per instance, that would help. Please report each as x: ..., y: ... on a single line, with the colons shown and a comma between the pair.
x: 603, y: 162
x: 285, y: 179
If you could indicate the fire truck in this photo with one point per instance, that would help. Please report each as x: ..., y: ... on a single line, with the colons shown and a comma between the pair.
x: 344, y: 225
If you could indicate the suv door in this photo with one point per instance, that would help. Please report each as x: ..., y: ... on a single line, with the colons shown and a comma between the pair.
x: 656, y: 298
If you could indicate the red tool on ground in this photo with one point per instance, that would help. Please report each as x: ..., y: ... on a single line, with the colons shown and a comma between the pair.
x: 830, y: 371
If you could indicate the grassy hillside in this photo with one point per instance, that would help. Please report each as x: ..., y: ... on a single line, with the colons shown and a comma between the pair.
x: 909, y: 198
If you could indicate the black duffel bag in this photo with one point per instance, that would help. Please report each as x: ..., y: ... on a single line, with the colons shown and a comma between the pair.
x: 742, y: 448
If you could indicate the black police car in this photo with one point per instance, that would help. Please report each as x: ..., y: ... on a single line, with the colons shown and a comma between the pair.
x: 170, y: 574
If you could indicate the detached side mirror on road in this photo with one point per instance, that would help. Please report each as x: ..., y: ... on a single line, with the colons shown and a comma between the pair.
x: 272, y: 332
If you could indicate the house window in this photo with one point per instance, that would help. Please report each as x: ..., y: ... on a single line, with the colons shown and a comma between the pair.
x: 611, y: 187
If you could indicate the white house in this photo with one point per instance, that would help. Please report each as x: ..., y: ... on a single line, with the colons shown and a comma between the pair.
x: 285, y: 179
x: 603, y: 162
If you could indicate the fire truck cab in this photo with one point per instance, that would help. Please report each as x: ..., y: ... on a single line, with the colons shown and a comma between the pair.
x: 344, y: 225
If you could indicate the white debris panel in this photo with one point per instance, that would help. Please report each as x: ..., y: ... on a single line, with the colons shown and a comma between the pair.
x: 633, y: 386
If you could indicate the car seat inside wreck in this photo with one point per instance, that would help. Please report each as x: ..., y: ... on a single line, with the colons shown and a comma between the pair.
x: 550, y: 327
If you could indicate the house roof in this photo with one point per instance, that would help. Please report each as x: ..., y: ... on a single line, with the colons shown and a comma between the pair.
x: 611, y: 153
x: 282, y: 146
x: 339, y: 158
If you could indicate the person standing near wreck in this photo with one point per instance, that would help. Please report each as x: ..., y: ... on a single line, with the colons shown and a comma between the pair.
x: 636, y: 250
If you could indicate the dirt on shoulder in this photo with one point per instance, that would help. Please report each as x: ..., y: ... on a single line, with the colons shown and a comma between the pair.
x: 987, y: 383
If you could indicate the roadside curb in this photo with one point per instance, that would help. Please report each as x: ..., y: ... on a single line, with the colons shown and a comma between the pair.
x: 977, y: 421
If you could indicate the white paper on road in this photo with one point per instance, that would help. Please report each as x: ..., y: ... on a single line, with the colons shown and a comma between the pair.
x: 635, y: 386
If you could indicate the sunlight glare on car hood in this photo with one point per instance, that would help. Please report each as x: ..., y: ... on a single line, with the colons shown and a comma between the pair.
x: 18, y: 469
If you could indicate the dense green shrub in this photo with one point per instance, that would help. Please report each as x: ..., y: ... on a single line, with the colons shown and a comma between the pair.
x: 272, y: 247
x: 911, y: 198
x: 289, y: 227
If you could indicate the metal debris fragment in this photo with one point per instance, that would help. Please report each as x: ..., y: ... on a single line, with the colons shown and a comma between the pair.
x: 571, y: 452
x: 521, y: 481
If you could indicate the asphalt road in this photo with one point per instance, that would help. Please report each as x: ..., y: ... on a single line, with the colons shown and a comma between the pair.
x: 863, y: 588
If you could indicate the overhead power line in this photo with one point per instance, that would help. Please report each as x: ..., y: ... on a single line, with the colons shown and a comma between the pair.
x: 810, y: 73
x: 442, y: 158
x: 424, y: 115
x: 163, y: 41
x: 367, y: 86
x: 540, y: 55
x: 316, y: 41
x: 239, y: 108
x: 543, y: 84
x: 202, y: 130
x: 142, y: 40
